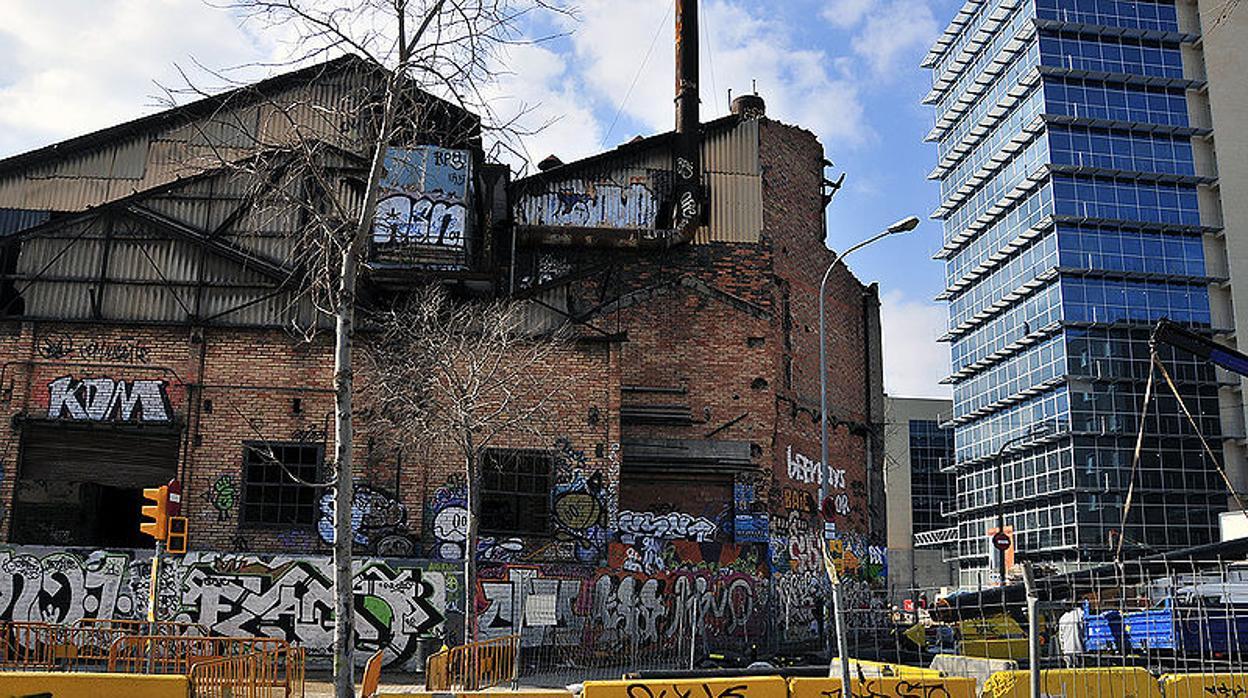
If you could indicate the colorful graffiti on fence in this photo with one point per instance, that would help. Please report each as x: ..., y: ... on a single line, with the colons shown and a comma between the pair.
x: 237, y: 594
x: 720, y: 588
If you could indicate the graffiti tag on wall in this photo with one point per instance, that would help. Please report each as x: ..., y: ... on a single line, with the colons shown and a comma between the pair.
x: 666, y: 526
x: 125, y: 350
x: 423, y: 201
x: 378, y: 522
x: 720, y: 588
x: 108, y: 400
x: 235, y: 594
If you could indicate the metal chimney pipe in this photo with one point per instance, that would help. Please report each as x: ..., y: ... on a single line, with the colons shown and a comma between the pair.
x: 686, y: 66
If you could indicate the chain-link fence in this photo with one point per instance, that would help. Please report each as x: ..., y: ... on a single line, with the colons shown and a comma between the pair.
x: 1167, y: 619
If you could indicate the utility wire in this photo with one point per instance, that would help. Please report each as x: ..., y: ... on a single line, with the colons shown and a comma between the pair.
x: 710, y: 54
x: 658, y: 30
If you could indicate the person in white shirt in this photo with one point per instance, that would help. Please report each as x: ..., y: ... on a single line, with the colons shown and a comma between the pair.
x: 1070, y: 631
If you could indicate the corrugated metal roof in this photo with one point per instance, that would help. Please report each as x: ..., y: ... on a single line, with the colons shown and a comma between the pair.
x: 14, y: 219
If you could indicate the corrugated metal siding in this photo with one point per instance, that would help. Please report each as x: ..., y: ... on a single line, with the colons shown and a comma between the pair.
x: 733, y: 151
x: 619, y: 198
x: 15, y: 219
x: 736, y: 213
x: 142, y: 162
x: 730, y: 170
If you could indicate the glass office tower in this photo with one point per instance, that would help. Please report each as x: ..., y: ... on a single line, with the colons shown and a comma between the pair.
x: 1069, y: 198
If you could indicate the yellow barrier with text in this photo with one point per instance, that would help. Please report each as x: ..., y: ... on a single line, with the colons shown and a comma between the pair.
x: 92, y: 685
x: 916, y: 686
x: 1126, y: 682
x: 489, y: 693
x: 1204, y: 685
x: 737, y: 687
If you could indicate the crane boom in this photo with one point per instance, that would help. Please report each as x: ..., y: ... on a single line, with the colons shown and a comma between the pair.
x: 1167, y: 332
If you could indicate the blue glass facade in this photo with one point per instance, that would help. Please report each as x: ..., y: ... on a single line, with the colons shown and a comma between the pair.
x: 1069, y: 199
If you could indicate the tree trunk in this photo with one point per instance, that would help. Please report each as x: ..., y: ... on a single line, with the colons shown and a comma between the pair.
x: 344, y: 596
x: 470, y: 545
x: 344, y: 337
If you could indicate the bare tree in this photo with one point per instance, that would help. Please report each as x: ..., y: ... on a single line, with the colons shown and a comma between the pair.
x: 468, y: 374
x: 317, y: 166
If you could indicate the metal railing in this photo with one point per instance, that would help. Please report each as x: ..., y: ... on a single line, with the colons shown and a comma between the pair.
x: 175, y: 654
x: 267, y: 674
x: 473, y: 666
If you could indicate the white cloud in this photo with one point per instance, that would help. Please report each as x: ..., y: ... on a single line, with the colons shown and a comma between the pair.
x: 77, y: 66
x: 887, y: 31
x: 805, y: 86
x: 847, y: 13
x: 914, y: 362
x: 545, y: 95
x: 892, y: 32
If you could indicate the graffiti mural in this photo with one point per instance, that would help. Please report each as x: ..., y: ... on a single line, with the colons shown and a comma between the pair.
x: 750, y: 521
x: 579, y: 506
x: 804, y: 469
x: 422, y: 212
x: 672, y: 525
x: 378, y: 522
x: 223, y: 496
x: 108, y: 400
x: 720, y: 588
x: 237, y: 594
x: 448, y: 520
x: 593, y: 204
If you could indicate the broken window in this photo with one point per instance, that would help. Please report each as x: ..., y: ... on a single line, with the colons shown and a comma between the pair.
x: 515, y: 491
x: 271, y: 497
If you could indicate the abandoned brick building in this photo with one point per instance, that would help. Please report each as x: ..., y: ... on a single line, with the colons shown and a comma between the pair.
x: 146, y: 334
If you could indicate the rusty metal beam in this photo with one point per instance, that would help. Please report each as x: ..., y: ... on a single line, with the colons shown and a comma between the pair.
x: 601, y: 238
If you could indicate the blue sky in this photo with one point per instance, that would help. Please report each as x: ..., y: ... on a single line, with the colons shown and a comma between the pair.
x: 845, y: 69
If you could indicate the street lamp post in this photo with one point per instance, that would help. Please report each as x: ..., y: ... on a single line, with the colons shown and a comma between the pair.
x: 902, y: 226
x: 999, y: 461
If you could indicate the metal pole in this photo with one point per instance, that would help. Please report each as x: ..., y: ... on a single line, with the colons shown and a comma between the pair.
x: 842, y: 645
x: 152, y: 598
x: 1001, y: 509
x: 515, y: 668
x: 1033, y: 629
x: 825, y: 472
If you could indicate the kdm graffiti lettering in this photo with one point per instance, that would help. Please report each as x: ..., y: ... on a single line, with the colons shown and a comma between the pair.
x: 108, y: 400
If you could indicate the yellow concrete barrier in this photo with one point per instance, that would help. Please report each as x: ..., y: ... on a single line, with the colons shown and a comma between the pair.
x: 1204, y: 685
x: 875, y: 670
x: 915, y: 686
x: 1126, y: 682
x: 738, y: 687
x: 89, y: 685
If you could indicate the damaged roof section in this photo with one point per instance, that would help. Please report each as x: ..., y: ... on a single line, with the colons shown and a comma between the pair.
x: 624, y: 197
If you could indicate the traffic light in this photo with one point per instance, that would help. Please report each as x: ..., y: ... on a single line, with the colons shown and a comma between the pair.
x: 177, y: 535
x: 158, y: 513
